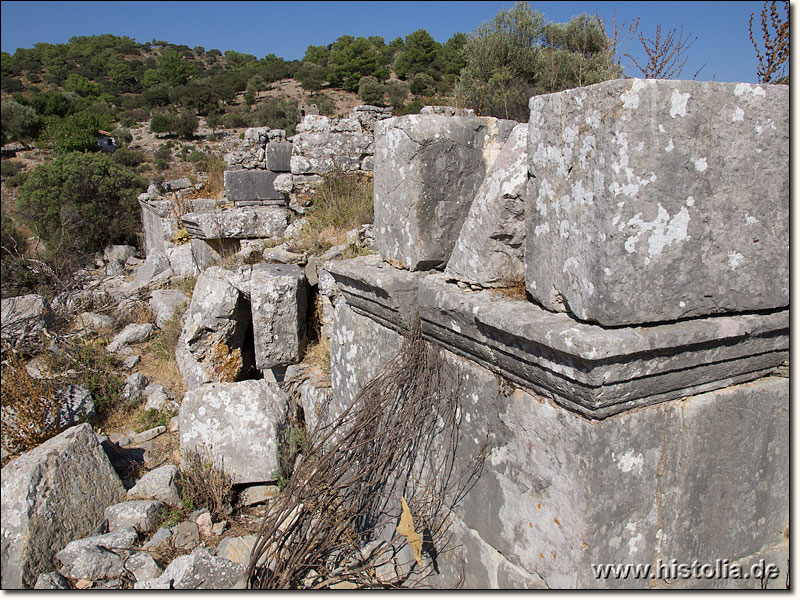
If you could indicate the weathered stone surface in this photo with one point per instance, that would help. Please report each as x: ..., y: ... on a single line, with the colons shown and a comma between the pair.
x: 119, y: 252
x: 75, y: 405
x: 376, y: 289
x: 279, y: 155
x: 315, y: 398
x: 181, y: 261
x: 645, y: 189
x: 165, y: 302
x: 238, y: 423
x: 359, y: 348
x: 185, y: 535
x: 149, y: 434
x: 143, y: 566
x: 367, y: 115
x: 252, y: 185
x: 134, y: 387
x: 214, y: 330
x: 256, y: 494
x: 157, y: 397
x: 278, y: 295
x: 89, y: 558
x: 24, y: 318
x: 322, y: 145
x: 237, y: 549
x: 174, y: 185
x: 490, y: 246
x: 237, y: 223
x: 55, y: 478
x: 199, y: 570
x: 594, y: 370
x: 156, y: 263
x: 52, y: 581
x: 158, y: 484
x: 283, y: 183
x: 427, y: 170
x: 94, y: 321
x: 448, y: 111
x: 143, y: 515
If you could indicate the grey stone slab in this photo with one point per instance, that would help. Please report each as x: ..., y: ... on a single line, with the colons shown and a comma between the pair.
x: 427, y: 170
x: 491, y: 244
x: 144, y: 515
x: 317, y: 153
x: 158, y: 484
x: 360, y: 347
x: 279, y: 155
x: 199, y: 570
x: 374, y: 288
x: 238, y: 424
x: 237, y: 223
x: 278, y: 296
x: 246, y: 203
x: 251, y: 185
x: 165, y: 302
x: 594, y: 370
x: 55, y: 478
x: 656, y: 200
x: 89, y: 558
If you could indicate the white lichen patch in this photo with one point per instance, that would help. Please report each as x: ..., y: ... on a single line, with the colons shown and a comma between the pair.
x: 670, y: 146
x: 734, y: 260
x: 664, y: 231
x: 738, y: 115
x: 750, y: 220
x: 629, y: 461
x: 678, y: 104
x: 701, y: 164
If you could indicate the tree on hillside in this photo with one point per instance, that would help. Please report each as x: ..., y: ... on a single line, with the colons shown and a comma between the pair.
x: 74, y: 133
x: 19, y: 123
x: 418, y: 54
x: 171, y: 70
x: 371, y: 91
x: 354, y: 58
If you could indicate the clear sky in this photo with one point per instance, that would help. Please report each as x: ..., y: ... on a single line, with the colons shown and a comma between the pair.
x: 722, y: 49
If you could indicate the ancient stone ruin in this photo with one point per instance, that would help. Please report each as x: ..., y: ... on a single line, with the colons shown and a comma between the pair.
x: 604, y: 291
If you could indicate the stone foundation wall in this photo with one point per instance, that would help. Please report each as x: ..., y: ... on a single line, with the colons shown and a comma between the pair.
x: 630, y: 397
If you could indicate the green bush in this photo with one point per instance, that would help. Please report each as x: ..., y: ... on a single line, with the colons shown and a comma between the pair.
x: 74, y: 133
x: 9, y: 168
x: 277, y: 114
x: 422, y: 85
x: 397, y: 92
x: 19, y: 122
x: 162, y: 123
x: 186, y: 124
x: 371, y: 91
x: 81, y: 202
x: 128, y: 158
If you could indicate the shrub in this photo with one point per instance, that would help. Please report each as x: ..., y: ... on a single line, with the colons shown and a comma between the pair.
x: 122, y: 136
x: 397, y: 92
x: 80, y: 202
x: 161, y: 123
x: 277, y: 114
x: 186, y: 124
x: 19, y: 123
x: 74, y: 133
x: 128, y: 157
x: 9, y: 168
x: 412, y: 108
x: 203, y: 483
x: 370, y: 90
x: 422, y: 84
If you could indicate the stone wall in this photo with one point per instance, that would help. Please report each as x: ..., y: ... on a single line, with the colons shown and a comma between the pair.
x: 648, y: 224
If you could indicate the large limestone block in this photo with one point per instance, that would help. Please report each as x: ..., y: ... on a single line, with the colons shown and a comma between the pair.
x: 214, y: 330
x: 594, y: 370
x: 278, y: 296
x: 490, y: 247
x: 376, y: 289
x: 52, y: 495
x: 360, y: 347
x: 655, y: 200
x: 279, y: 155
x: 320, y: 153
x: 252, y: 185
x: 238, y: 423
x: 24, y: 318
x: 199, y: 570
x: 427, y: 170
x: 237, y: 223
x: 165, y: 302
x: 559, y: 492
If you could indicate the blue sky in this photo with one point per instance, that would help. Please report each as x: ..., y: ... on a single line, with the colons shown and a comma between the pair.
x: 722, y: 49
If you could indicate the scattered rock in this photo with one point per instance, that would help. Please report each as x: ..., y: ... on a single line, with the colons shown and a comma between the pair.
x: 199, y: 570
x: 158, y: 484
x: 146, y: 436
x: 94, y: 321
x: 237, y: 549
x: 144, y: 515
x: 90, y: 558
x: 257, y: 494
x: 131, y: 361
x: 135, y: 333
x: 133, y: 389
x: 119, y: 252
x: 23, y: 318
x: 52, y: 580
x: 54, y: 479
x: 185, y: 535
x: 164, y: 304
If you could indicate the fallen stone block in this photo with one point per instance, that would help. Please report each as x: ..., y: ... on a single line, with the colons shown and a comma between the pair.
x: 135, y: 333
x: 23, y: 318
x: 656, y: 200
x: 594, y: 370
x: 199, y: 570
x: 427, y: 170
x: 164, y: 304
x: 94, y: 321
x: 237, y: 549
x: 278, y: 295
x: 181, y: 261
x: 252, y: 185
x: 238, y: 424
x: 158, y: 484
x: 90, y: 558
x: 52, y: 581
x: 317, y: 153
x: 237, y: 223
x: 55, y: 478
x: 156, y: 264
x: 490, y: 246
x: 144, y: 515
x: 119, y: 252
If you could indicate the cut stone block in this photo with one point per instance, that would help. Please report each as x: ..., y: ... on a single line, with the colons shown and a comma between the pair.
x: 598, y: 371
x: 158, y: 484
x: 427, y: 170
x: 319, y: 153
x: 360, y: 347
x: 252, y: 185
x: 279, y: 155
x: 237, y: 223
x: 144, y: 515
x: 278, y: 296
x: 199, y: 570
x: 656, y: 200
x: 56, y: 478
x: 90, y: 558
x: 490, y: 247
x: 377, y: 290
x: 238, y: 424
x: 165, y: 302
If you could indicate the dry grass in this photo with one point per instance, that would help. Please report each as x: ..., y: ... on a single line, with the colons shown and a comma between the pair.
x: 33, y: 403
x: 512, y: 289
x: 343, y: 201
x: 318, y: 354
x: 138, y: 311
x: 204, y: 483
